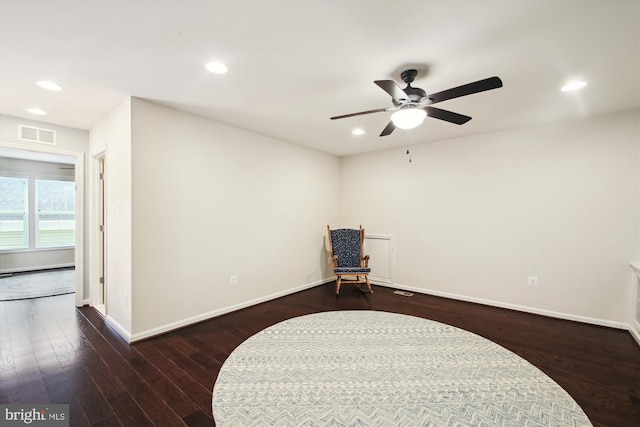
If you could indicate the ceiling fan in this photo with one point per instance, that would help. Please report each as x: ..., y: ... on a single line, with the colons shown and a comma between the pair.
x: 412, y: 104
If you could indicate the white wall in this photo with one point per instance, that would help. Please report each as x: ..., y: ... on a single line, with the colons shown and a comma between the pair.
x: 112, y: 136
x: 474, y: 217
x: 210, y: 201
x: 191, y: 202
x: 69, y: 139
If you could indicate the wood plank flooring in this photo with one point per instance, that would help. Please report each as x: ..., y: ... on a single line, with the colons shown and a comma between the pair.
x: 51, y: 352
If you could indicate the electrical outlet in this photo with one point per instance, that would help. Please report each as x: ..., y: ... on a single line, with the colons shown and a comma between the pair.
x: 234, y: 280
x: 126, y: 298
x: 533, y: 281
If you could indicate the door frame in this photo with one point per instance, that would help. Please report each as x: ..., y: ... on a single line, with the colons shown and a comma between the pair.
x: 97, y: 244
x: 79, y: 180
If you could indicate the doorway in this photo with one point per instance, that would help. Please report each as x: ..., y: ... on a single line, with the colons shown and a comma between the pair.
x: 22, y: 151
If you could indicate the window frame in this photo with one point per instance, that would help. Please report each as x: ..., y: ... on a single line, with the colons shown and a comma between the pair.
x: 32, y: 205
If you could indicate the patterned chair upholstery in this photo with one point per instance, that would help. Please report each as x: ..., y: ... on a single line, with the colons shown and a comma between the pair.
x: 349, y: 261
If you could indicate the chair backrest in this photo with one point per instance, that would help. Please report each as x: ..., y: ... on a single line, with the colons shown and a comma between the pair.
x: 346, y: 243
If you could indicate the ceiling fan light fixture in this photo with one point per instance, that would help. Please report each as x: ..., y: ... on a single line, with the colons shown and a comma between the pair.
x: 408, y: 118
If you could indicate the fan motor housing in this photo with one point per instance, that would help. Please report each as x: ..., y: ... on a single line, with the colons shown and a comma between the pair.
x: 415, y: 95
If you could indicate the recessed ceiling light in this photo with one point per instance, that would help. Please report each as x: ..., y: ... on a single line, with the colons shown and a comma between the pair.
x: 49, y: 85
x: 37, y: 111
x: 216, y: 67
x: 573, y: 86
x: 357, y: 131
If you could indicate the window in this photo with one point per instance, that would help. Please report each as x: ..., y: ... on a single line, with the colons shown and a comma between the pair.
x: 55, y: 213
x: 37, y: 213
x: 14, y: 213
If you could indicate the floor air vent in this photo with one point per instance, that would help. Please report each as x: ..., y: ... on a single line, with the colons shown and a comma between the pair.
x: 39, y: 135
x: 403, y: 293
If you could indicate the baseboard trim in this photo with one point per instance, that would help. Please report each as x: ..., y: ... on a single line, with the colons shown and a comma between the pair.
x: 119, y: 328
x: 523, y: 308
x: 35, y: 268
x: 634, y: 329
x: 215, y: 313
x: 131, y: 338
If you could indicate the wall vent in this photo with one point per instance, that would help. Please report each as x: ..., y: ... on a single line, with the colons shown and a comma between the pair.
x: 39, y: 135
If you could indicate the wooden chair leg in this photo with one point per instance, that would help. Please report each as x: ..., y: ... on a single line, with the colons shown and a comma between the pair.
x: 338, y: 283
x: 368, y: 284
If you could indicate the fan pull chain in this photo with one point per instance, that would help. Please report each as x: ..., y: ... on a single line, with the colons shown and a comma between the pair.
x: 409, y: 146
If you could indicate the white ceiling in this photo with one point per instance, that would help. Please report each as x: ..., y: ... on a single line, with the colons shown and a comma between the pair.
x: 293, y: 64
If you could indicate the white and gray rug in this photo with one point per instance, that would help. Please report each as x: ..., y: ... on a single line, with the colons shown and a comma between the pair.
x: 371, y: 368
x: 37, y: 284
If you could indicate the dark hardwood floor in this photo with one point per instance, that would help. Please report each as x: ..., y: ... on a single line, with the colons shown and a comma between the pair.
x: 52, y: 352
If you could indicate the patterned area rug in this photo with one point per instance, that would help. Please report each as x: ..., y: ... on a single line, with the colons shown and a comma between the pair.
x: 372, y: 368
x: 35, y: 285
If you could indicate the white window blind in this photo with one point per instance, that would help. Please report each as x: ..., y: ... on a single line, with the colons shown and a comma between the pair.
x: 55, y: 213
x: 14, y: 213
